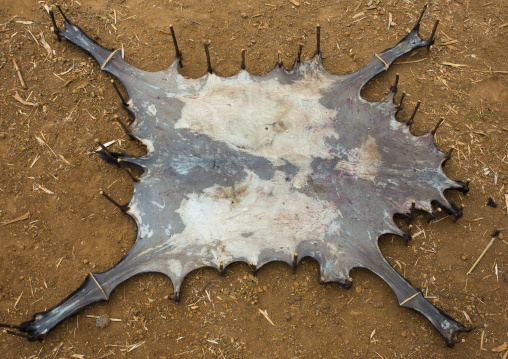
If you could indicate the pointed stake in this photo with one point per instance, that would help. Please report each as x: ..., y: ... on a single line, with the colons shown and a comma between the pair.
x: 22, y: 335
x: 300, y: 48
x: 122, y: 208
x: 464, y: 186
x: 433, y: 132
x: 124, y: 167
x: 318, y: 40
x: 242, y: 66
x: 176, y: 297
x: 208, y: 61
x: 412, y: 118
x: 56, y: 30
x: 122, y: 125
x: 349, y: 283
x: 12, y: 326
x: 178, y: 53
x: 401, y: 106
x: 417, y: 25
x: 431, y: 39
x: 63, y: 15
x: 253, y: 267
x: 393, y: 88
x: 124, y: 103
x: 106, y: 151
x: 295, y: 262
x: 221, y: 268
x: 412, y: 211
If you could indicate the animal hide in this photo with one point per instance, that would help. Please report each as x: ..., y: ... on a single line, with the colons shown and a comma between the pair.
x: 278, y: 167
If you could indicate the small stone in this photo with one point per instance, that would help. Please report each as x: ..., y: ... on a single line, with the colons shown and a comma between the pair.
x: 288, y: 317
x: 103, y: 321
x: 295, y: 299
x: 380, y: 305
x: 506, y: 277
x: 243, y: 15
x: 359, y: 289
x: 404, y: 334
x: 464, y: 258
x: 3, y: 135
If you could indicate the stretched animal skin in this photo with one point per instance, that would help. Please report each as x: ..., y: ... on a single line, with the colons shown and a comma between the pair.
x: 278, y: 167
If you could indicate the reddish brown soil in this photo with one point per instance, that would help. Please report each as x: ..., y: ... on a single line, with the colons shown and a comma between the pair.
x: 72, y: 230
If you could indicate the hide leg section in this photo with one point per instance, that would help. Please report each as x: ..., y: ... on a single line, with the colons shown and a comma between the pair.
x: 96, y: 288
x: 412, y: 298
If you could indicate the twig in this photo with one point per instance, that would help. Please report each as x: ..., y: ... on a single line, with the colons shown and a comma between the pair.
x: 266, y: 316
x: 492, y: 71
x: 17, y: 301
x: 19, y: 74
x: 38, y: 186
x: 408, y: 299
x: 35, y: 160
x: 409, y: 62
x: 481, y: 342
x: 107, y: 354
x: 481, y: 255
x: 97, y: 317
x: 18, y: 98
x: 20, y: 218
x: 70, y: 114
x: 98, y: 285
x: 452, y: 64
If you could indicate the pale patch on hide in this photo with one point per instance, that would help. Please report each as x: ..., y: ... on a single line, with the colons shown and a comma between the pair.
x: 264, y: 118
x: 362, y: 162
x: 152, y: 109
x: 270, y: 211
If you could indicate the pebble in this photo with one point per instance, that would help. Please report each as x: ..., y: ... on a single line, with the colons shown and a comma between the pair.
x: 243, y: 15
x: 506, y: 277
x: 103, y: 321
x: 295, y: 299
x: 380, y: 305
x: 3, y: 135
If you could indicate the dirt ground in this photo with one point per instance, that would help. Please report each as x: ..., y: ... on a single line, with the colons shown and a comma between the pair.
x: 47, y: 169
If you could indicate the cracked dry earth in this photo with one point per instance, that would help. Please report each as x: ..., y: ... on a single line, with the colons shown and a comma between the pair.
x: 49, y: 171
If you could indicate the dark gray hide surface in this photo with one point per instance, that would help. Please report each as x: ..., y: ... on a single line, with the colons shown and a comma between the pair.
x: 266, y: 168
